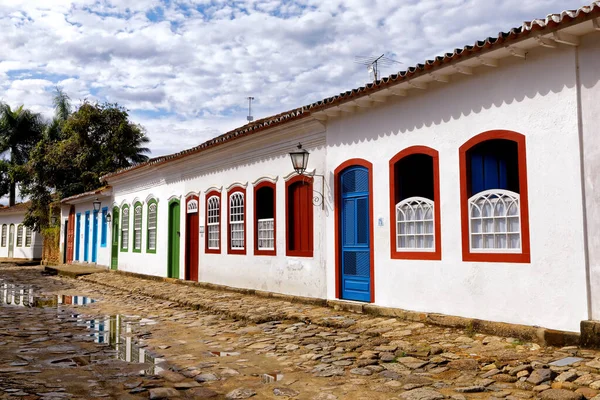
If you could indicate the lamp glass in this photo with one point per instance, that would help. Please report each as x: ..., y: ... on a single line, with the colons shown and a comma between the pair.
x: 97, y: 205
x: 299, y: 160
x: 108, y: 217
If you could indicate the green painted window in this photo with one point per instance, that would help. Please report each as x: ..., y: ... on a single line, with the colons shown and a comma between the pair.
x: 151, y: 225
x: 125, y: 228
x: 137, y: 227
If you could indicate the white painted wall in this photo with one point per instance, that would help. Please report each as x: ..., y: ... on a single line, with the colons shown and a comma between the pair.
x: 103, y: 251
x: 589, y: 70
x: 535, y: 97
x: 245, y: 161
x: 32, y: 252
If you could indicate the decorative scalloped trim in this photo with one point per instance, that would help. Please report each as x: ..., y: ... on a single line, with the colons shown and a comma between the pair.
x: 174, y: 196
x: 137, y: 200
x: 271, y: 179
x: 189, y: 194
x: 151, y: 197
x: 294, y: 173
x: 214, y: 189
x: 237, y: 184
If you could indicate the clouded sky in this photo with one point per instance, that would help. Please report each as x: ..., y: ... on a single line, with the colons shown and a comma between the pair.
x: 184, y: 68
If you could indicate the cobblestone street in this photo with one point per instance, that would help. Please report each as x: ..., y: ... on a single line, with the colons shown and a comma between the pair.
x: 201, y: 343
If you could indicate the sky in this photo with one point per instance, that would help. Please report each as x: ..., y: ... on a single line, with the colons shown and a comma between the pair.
x: 185, y: 68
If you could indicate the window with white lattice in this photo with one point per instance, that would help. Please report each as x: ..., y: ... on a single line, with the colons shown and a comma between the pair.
x: 213, y: 222
x: 137, y: 227
x: 27, y: 236
x: 20, y: 236
x: 264, y: 206
x: 495, y: 221
x: 125, y: 228
x: 414, y: 189
x: 4, y: 229
x: 237, y: 234
x: 152, y: 214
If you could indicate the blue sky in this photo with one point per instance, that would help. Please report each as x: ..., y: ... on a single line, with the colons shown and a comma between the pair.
x: 184, y: 68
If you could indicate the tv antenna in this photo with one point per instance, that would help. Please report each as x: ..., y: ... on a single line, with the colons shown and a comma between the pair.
x: 250, y: 118
x: 373, y: 63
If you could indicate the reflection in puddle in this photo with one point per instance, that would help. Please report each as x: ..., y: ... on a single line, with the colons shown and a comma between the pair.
x: 272, y: 377
x: 224, y: 353
x: 12, y: 295
x: 117, y: 331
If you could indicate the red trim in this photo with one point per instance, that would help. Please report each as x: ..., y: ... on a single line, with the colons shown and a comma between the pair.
x: 208, y: 196
x: 525, y: 256
x: 192, y: 222
x: 336, y: 213
x: 307, y: 227
x: 416, y: 255
x: 229, y: 249
x: 70, y: 235
x: 258, y: 252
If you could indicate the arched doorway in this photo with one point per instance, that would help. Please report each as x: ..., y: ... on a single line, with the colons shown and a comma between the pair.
x: 192, y: 228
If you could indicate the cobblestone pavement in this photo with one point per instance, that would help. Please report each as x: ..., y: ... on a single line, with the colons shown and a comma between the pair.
x: 228, y: 345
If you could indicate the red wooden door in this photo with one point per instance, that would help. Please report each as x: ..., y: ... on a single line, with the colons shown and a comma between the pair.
x: 192, y: 228
x: 71, y: 235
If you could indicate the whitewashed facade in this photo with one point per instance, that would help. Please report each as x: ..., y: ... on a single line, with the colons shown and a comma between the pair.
x: 527, y: 105
x: 16, y: 240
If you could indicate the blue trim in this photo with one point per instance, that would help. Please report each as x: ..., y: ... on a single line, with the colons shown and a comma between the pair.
x: 104, y: 234
x: 77, y: 234
x: 95, y: 236
x: 86, y: 237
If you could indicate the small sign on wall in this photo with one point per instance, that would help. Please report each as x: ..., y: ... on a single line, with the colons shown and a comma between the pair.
x: 192, y: 206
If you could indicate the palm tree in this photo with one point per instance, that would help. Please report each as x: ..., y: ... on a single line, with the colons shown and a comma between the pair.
x: 20, y: 130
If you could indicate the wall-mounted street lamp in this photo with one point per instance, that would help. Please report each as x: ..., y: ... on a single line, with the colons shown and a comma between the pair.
x: 300, y: 163
x: 97, y: 205
x: 108, y: 217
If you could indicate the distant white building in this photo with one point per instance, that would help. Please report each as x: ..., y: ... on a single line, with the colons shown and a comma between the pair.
x: 468, y: 185
x: 16, y: 240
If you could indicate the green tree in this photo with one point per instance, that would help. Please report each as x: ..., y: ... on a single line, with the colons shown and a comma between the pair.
x: 20, y: 130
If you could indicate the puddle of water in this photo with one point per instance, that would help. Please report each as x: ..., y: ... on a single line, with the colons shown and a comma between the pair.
x: 117, y: 332
x: 272, y: 377
x: 224, y: 353
x: 12, y: 295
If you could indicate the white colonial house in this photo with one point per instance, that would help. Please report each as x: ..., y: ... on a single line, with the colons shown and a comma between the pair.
x: 18, y: 241
x: 468, y: 185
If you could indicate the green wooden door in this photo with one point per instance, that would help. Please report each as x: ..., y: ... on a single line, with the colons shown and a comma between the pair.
x: 114, y: 260
x: 174, y: 234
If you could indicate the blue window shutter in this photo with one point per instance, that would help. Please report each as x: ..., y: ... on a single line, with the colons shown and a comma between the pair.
x: 104, y: 227
x: 477, y: 184
x: 488, y: 171
x: 502, y: 174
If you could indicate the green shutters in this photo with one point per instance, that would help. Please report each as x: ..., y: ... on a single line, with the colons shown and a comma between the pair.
x: 151, y: 226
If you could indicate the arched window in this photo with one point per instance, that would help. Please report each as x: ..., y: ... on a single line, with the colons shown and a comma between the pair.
x: 20, y: 235
x: 4, y: 229
x: 137, y: 227
x: 125, y: 228
x: 27, y: 236
x: 237, y: 221
x: 264, y: 219
x: 213, y: 222
x: 495, y: 223
x: 299, y: 229
x: 415, y: 204
x: 151, y: 224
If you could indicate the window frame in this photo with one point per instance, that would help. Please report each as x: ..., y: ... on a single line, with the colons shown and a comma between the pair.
x: 4, y: 235
x: 207, y: 197
x: 123, y: 208
x: 137, y: 232
x: 436, y: 254
x: 230, y: 193
x: 257, y: 251
x: 310, y: 228
x: 28, y: 235
x: 19, y: 236
x: 151, y: 202
x: 524, y: 255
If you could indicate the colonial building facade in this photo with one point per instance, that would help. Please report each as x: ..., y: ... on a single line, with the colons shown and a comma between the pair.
x: 16, y: 240
x: 468, y: 185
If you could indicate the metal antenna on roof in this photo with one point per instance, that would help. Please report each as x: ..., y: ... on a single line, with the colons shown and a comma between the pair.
x: 250, y: 118
x: 373, y: 64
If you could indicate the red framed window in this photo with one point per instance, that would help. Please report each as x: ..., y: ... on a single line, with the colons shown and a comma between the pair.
x: 265, y: 219
x: 415, y: 225
x: 213, y: 223
x: 236, y: 222
x: 494, y: 199
x: 299, y: 216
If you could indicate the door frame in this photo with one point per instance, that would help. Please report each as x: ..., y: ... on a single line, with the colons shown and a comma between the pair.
x: 192, y: 239
x: 114, y: 245
x: 173, y: 270
x: 354, y: 162
x: 86, y: 237
x: 70, y: 240
x: 95, y: 236
x: 66, y: 244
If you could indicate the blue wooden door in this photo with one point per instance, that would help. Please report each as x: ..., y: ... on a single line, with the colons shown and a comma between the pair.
x: 95, y: 236
x: 86, y: 237
x: 355, y: 228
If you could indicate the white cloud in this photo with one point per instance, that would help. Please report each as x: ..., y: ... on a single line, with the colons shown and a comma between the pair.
x: 185, y: 73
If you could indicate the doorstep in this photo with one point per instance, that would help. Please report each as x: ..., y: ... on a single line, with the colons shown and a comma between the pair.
x: 73, y: 270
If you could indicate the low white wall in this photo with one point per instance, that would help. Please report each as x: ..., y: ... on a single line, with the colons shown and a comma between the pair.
x: 536, y: 98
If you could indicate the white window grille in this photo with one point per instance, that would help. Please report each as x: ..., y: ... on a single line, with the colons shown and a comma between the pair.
x: 415, y: 225
x: 27, y: 236
x: 125, y: 229
x: 4, y: 235
x: 152, y: 226
x: 137, y: 228
x: 20, y: 236
x: 213, y: 223
x: 495, y: 221
x: 266, y: 234
x: 236, y: 221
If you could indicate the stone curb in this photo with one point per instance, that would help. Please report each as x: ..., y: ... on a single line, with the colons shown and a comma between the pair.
x: 543, y: 336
